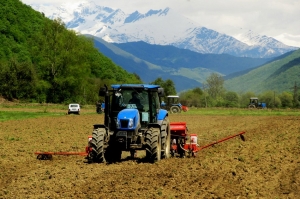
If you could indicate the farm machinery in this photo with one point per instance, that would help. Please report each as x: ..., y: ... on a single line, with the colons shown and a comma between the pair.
x: 183, y: 144
x: 173, y: 105
x: 133, y: 120
x: 254, y: 103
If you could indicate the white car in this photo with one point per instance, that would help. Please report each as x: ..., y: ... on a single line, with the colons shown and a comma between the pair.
x: 74, y: 108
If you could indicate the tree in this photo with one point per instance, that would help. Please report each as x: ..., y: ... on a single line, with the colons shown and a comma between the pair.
x: 18, y: 80
x: 296, y: 102
x: 214, y: 84
x: 270, y: 98
x: 168, y: 85
x: 231, y: 99
x: 192, y: 97
x: 286, y: 99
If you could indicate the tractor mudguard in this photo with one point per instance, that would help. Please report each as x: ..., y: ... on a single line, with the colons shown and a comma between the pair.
x: 162, y: 114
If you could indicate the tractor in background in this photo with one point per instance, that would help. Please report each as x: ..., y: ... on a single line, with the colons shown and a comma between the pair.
x: 254, y: 103
x: 131, y: 125
x: 173, y: 104
x: 100, y: 106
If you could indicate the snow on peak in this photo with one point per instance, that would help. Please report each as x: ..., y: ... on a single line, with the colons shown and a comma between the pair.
x: 163, y: 27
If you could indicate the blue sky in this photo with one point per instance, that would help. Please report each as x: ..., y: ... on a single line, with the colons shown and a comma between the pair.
x: 274, y: 18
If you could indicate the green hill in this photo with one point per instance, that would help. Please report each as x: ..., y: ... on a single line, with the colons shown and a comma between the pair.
x: 279, y: 75
x: 40, y: 60
x: 176, y: 58
x: 183, y: 78
x: 187, y: 69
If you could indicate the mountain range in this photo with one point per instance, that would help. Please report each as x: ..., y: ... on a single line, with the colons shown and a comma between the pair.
x: 186, y: 68
x: 115, y: 26
x: 179, y: 49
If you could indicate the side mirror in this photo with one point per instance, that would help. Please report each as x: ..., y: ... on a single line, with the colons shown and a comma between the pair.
x: 161, y: 92
x: 102, y: 91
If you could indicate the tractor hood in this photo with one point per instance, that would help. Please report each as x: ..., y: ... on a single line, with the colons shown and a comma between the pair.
x: 128, y: 119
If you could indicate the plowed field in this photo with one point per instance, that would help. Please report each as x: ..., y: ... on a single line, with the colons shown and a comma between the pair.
x: 266, y: 165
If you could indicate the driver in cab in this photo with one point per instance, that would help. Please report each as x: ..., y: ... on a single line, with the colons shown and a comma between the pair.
x: 135, y: 100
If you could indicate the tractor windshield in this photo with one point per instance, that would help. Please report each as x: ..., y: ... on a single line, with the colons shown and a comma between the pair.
x: 146, y: 101
x: 173, y: 99
x: 131, y: 99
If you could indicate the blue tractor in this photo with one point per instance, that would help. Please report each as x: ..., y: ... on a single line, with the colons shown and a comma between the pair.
x: 173, y: 105
x: 133, y: 120
x: 254, y: 103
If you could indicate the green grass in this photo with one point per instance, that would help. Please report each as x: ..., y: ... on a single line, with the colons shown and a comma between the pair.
x: 19, y: 115
x: 47, y: 111
x: 35, y: 106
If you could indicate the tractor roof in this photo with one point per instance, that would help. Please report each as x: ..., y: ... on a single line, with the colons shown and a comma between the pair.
x: 173, y: 96
x: 135, y: 86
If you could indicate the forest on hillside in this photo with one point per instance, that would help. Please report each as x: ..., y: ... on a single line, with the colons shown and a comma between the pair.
x: 41, y: 61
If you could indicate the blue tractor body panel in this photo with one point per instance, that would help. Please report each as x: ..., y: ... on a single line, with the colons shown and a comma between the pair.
x: 263, y: 105
x: 128, y: 119
x: 162, y: 114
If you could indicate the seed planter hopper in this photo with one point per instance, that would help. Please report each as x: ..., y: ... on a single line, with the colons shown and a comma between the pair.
x: 183, y: 143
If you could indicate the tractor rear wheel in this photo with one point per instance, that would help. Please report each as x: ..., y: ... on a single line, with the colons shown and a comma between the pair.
x: 251, y: 106
x: 175, y: 109
x: 97, y: 144
x: 153, y: 145
x: 165, y: 139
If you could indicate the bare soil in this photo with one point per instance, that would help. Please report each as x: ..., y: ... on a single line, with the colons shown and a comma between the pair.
x: 266, y: 165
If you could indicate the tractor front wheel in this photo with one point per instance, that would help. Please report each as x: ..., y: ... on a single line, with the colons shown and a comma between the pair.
x: 153, y: 145
x: 175, y: 109
x: 97, y: 144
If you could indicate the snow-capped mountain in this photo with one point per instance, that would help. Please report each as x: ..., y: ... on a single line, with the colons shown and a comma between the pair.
x: 162, y: 27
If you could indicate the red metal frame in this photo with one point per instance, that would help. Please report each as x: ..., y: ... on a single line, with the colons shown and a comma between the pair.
x: 179, y: 143
x: 179, y: 133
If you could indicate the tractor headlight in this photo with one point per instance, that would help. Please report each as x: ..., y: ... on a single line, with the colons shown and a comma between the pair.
x: 130, y: 123
x: 118, y: 123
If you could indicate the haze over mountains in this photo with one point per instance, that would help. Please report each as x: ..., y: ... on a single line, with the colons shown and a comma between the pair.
x: 173, y: 29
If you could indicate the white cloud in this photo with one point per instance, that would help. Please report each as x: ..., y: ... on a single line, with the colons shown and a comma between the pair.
x: 268, y: 17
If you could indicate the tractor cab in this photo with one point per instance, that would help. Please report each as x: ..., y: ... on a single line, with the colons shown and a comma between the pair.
x: 173, y: 99
x: 127, y: 100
